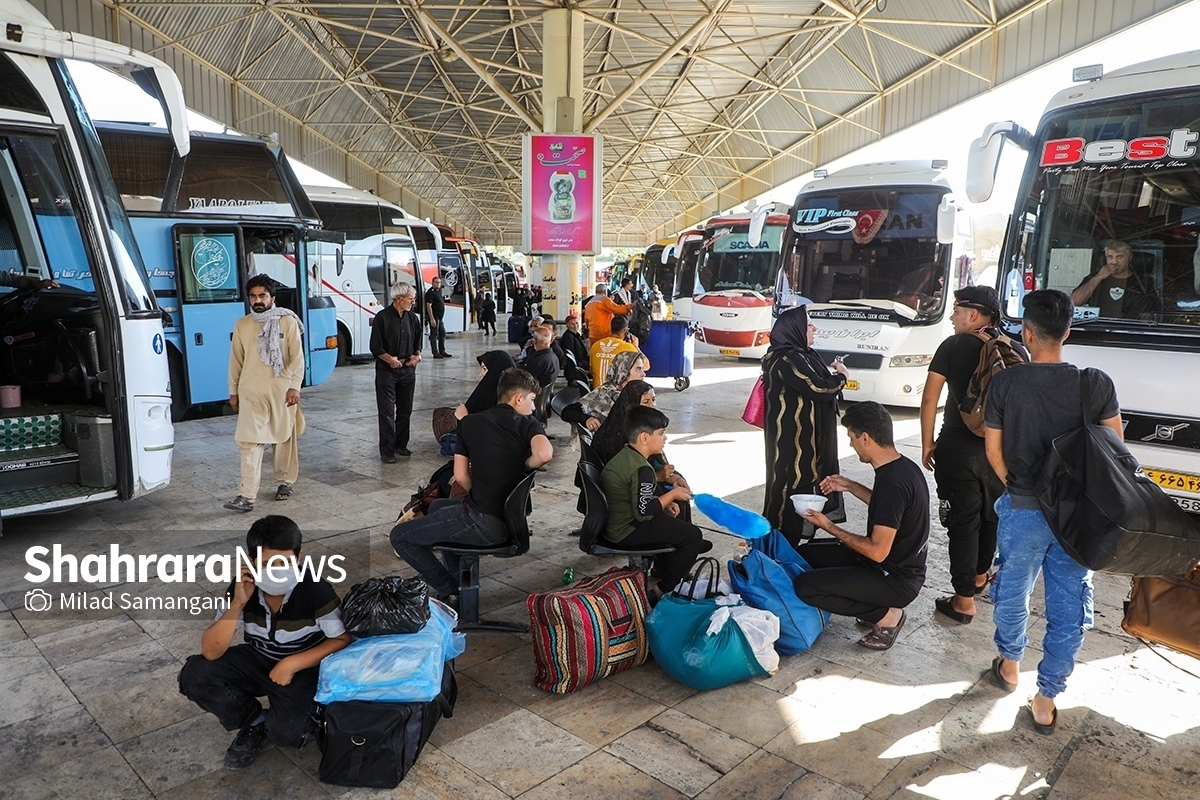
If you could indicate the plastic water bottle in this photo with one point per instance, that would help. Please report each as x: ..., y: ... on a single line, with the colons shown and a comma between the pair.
x: 743, y: 550
x: 568, y: 576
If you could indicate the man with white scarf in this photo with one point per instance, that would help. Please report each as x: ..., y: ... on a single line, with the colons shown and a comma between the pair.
x: 266, y: 367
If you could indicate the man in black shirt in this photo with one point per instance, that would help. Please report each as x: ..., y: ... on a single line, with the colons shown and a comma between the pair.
x: 435, y: 311
x: 967, y: 485
x: 577, y: 345
x: 396, y: 346
x: 1116, y: 289
x: 541, y: 362
x: 872, y: 577
x: 495, y: 449
x: 1028, y: 408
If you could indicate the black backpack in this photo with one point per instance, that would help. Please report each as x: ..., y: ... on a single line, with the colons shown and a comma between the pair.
x: 997, y: 354
x: 640, y: 318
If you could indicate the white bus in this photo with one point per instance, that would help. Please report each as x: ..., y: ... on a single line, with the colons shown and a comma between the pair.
x: 88, y: 359
x: 383, y: 245
x: 872, y: 249
x: 1115, y: 159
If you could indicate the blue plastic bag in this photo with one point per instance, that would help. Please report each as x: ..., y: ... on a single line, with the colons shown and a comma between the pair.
x: 677, y: 629
x: 765, y: 579
x: 400, y: 668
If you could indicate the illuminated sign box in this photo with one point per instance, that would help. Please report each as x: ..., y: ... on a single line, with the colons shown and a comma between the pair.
x: 561, y: 184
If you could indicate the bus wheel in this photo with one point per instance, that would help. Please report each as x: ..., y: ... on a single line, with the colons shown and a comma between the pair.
x: 682, y: 383
x: 179, y: 403
x: 343, y: 347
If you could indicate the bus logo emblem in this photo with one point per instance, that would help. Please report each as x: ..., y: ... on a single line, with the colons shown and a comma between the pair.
x: 212, y: 264
x: 1165, y: 433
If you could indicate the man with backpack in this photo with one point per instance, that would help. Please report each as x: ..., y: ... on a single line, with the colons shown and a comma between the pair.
x: 1027, y: 410
x: 966, y: 484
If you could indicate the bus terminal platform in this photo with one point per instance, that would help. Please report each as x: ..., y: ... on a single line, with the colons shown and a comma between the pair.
x: 90, y: 708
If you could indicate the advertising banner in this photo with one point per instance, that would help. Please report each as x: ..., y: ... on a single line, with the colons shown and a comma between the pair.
x: 561, y: 184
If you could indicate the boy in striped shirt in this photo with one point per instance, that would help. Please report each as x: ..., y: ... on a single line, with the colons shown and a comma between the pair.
x: 290, y: 625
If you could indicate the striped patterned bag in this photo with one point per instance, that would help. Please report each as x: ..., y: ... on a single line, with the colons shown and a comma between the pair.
x: 589, y: 630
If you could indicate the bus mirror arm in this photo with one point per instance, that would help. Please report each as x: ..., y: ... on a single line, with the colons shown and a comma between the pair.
x: 983, y: 157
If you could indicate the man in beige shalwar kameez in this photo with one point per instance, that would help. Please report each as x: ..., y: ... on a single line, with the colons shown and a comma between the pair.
x: 266, y: 367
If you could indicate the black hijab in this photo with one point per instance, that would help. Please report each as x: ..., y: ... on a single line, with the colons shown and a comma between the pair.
x: 791, y: 330
x: 484, y: 396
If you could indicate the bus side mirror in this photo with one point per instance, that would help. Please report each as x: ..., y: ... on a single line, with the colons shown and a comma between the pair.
x: 338, y: 262
x: 758, y: 220
x: 947, y: 215
x: 983, y: 157
x: 667, y: 252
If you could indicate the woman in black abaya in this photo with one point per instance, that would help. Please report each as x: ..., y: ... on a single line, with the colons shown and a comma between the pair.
x: 800, y: 422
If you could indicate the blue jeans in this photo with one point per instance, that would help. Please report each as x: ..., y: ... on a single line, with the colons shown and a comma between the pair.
x: 1027, y: 546
x: 449, y: 521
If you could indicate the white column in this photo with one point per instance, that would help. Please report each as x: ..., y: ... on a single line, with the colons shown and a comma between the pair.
x: 562, y: 112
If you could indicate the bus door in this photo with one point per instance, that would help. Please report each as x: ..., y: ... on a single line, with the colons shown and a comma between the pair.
x: 400, y: 260
x: 208, y: 274
x: 321, y: 250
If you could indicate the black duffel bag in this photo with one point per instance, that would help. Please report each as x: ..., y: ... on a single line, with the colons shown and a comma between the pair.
x: 1106, y: 512
x: 376, y: 744
x: 385, y: 606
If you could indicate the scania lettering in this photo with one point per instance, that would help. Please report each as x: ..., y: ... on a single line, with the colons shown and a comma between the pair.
x: 358, y: 285
x: 1115, y: 167
x: 214, y: 249
x: 869, y: 248
x: 94, y: 421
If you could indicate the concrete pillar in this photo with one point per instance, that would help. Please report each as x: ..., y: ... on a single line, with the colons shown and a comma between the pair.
x: 562, y: 112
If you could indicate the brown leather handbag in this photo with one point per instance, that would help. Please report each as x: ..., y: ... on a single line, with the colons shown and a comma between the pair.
x: 1166, y: 611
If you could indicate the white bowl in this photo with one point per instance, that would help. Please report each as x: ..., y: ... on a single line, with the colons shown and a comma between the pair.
x: 808, y: 502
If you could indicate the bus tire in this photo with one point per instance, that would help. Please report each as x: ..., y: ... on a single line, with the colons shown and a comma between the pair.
x: 682, y: 383
x: 343, y: 357
x: 179, y: 403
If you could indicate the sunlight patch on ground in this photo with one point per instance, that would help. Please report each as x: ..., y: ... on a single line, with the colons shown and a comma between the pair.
x: 998, y: 782
x: 728, y: 462
x: 870, y: 701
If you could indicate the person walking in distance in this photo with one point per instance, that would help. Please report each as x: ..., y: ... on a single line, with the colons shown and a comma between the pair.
x: 967, y: 485
x: 1027, y: 409
x: 435, y: 310
x: 266, y: 368
x: 396, y: 346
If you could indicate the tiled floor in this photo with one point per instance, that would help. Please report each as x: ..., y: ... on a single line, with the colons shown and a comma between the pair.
x: 89, y: 706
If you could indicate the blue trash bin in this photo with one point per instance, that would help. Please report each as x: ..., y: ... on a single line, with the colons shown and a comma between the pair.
x: 671, y: 349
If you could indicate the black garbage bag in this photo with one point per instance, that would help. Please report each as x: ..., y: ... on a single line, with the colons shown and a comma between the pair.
x: 383, y: 606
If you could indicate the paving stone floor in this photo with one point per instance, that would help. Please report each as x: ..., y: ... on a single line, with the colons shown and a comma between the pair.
x: 89, y: 706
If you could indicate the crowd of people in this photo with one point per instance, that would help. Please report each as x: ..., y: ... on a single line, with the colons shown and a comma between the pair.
x: 985, y: 476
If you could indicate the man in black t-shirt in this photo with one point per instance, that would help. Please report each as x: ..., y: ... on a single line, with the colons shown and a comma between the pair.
x: 435, y: 312
x: 872, y: 577
x: 1028, y: 408
x: 541, y: 362
x: 494, y: 451
x: 1116, y: 289
x: 967, y: 485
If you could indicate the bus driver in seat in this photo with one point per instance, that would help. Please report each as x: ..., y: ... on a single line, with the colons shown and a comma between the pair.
x: 1116, y: 289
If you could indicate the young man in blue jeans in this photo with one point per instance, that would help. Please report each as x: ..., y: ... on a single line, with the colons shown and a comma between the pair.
x: 1028, y: 407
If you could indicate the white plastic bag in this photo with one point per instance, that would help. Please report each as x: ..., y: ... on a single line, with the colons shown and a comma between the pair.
x: 761, y: 629
x: 699, y: 589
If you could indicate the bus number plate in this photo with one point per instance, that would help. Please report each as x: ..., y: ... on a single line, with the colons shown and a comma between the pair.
x: 726, y: 351
x: 851, y: 386
x: 1179, y: 481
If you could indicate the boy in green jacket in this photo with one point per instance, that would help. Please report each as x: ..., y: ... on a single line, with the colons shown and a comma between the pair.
x: 639, y: 519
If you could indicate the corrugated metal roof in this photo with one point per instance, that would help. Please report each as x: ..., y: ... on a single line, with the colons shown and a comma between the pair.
x: 370, y: 91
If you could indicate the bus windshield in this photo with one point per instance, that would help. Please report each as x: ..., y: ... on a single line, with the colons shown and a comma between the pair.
x: 1117, y: 184
x: 729, y: 263
x: 877, y: 243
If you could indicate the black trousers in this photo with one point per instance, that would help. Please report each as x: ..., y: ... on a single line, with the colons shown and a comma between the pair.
x: 841, y: 583
x: 968, y: 486
x: 394, y: 390
x: 437, y: 338
x: 229, y: 688
x: 663, y: 529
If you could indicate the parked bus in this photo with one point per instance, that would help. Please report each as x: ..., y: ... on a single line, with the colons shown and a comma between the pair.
x: 872, y: 249
x: 1115, y: 159
x: 206, y: 223
x: 377, y: 233
x: 659, y: 270
x: 687, y: 253
x: 735, y: 281
x: 92, y: 421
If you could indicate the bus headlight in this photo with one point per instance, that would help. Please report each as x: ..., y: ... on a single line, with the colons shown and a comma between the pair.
x: 910, y: 361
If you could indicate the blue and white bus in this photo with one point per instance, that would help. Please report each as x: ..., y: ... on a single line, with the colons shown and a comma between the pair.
x: 206, y: 223
x: 88, y: 360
